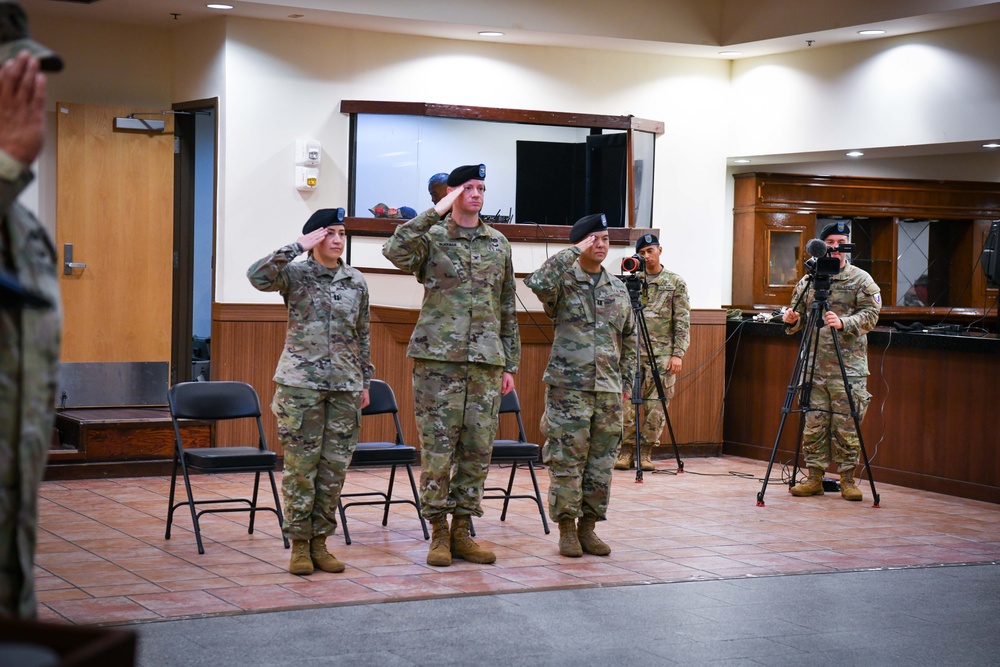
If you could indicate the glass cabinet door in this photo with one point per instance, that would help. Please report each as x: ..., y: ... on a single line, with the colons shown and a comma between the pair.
x: 784, y: 257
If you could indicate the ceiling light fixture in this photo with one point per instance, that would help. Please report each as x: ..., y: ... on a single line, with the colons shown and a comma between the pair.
x: 216, y: 6
x: 991, y: 145
x: 855, y: 154
x: 490, y: 33
x: 871, y: 32
x: 729, y: 54
x: 741, y: 160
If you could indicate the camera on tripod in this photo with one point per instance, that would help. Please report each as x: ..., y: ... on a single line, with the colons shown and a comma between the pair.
x: 820, y: 262
x: 633, y: 264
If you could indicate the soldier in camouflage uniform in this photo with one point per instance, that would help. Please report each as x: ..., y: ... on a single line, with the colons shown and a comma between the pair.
x: 465, y: 349
x: 589, y: 374
x: 30, y: 315
x: 668, y: 322
x: 854, y: 305
x: 323, y: 377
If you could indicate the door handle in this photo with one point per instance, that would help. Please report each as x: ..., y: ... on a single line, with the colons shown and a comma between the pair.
x: 68, y: 263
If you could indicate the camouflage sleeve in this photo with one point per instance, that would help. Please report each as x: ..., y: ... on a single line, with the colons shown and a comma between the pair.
x: 407, y: 248
x: 11, y: 189
x: 364, y: 338
x: 682, y: 319
x: 268, y: 274
x: 629, y: 350
x: 799, y: 304
x: 510, y: 337
x: 546, y: 282
x: 864, y: 319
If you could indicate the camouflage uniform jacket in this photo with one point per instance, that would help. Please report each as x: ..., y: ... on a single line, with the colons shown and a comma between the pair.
x: 668, y: 315
x: 595, y: 336
x: 469, y: 310
x: 327, y: 345
x: 856, y: 299
x: 29, y: 366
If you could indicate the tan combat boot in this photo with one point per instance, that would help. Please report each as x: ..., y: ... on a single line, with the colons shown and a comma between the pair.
x: 848, y: 489
x: 462, y: 545
x: 322, y: 558
x: 625, y: 457
x: 569, y: 541
x: 812, y: 486
x: 440, y: 552
x: 301, y: 562
x: 589, y: 541
x: 646, y: 457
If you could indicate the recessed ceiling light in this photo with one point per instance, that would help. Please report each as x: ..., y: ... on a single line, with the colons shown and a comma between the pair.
x: 730, y: 53
x: 490, y: 33
x: 741, y: 160
x: 991, y: 145
x: 871, y: 32
x: 215, y: 6
x: 855, y: 154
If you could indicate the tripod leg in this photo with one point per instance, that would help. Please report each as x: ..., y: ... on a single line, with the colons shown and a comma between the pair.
x: 855, y: 416
x: 658, y: 384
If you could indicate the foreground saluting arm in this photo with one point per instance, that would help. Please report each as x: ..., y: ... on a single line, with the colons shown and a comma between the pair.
x: 407, y: 248
x: 268, y: 274
x: 546, y: 282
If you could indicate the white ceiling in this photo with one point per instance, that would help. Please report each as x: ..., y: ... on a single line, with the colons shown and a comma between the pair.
x: 695, y: 28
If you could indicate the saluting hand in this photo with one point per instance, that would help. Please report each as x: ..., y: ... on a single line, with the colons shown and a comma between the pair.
x: 312, y: 239
x: 22, y: 108
x: 445, y: 203
x: 586, y: 242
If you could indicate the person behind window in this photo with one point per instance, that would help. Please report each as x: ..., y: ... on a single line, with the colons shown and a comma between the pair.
x: 437, y: 187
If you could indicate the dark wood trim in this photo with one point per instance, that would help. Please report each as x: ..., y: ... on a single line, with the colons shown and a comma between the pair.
x: 383, y: 227
x: 533, y: 117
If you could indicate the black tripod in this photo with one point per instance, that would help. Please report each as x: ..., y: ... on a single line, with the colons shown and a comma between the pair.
x: 802, y: 381
x: 636, y: 291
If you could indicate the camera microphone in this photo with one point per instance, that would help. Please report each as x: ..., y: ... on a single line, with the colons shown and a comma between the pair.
x: 816, y: 248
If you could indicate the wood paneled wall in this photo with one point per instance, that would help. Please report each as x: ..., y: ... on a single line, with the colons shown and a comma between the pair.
x: 247, y: 341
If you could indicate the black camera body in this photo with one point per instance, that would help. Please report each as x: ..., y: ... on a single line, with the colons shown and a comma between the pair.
x: 827, y: 265
x: 634, y: 264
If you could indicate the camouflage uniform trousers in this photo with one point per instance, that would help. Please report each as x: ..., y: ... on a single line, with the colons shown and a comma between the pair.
x: 456, y: 406
x: 582, y: 430
x: 654, y: 416
x: 829, y: 429
x: 318, y: 431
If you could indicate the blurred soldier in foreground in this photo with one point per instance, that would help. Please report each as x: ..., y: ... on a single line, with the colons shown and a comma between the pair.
x: 854, y: 305
x: 465, y: 349
x: 588, y: 378
x: 323, y: 377
x: 30, y: 315
x: 668, y: 322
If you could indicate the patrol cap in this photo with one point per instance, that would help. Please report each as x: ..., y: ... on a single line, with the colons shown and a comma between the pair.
x: 325, y: 217
x: 646, y: 240
x: 461, y: 175
x: 14, y: 38
x: 839, y: 227
x: 586, y: 225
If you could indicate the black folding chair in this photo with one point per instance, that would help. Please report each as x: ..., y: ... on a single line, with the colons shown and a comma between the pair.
x: 368, y: 454
x: 516, y: 452
x: 218, y: 401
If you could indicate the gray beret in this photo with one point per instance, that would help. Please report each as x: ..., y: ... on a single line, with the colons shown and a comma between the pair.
x: 588, y: 224
x: 324, y: 217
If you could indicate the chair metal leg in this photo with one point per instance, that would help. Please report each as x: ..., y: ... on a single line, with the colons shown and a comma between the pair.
x: 194, y: 513
x: 510, y: 486
x: 388, y: 496
x: 277, y: 505
x: 538, y: 497
x: 343, y: 521
x: 253, y: 503
x: 416, y: 501
x: 170, y: 502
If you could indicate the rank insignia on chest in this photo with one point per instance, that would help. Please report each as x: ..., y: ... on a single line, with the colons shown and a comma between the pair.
x: 476, y: 257
x: 495, y: 245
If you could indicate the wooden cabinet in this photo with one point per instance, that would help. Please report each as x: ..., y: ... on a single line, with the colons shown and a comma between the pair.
x: 920, y: 240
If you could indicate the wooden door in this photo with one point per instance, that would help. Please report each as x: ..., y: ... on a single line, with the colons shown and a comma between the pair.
x: 114, y: 204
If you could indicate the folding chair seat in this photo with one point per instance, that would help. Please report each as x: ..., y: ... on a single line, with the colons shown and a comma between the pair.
x: 516, y: 452
x: 382, y: 401
x: 219, y: 401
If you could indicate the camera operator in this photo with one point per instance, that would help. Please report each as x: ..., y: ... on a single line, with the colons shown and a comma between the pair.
x: 854, y: 304
x: 668, y: 323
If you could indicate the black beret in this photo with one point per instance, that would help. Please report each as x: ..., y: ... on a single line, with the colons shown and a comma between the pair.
x: 324, y: 217
x: 646, y: 240
x: 588, y: 224
x: 838, y: 227
x: 15, y: 37
x: 461, y: 175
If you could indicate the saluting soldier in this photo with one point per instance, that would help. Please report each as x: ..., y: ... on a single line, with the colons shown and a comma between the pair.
x: 323, y: 377
x: 668, y: 322
x: 465, y: 349
x: 587, y: 380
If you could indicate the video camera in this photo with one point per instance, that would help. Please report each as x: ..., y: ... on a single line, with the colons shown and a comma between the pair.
x: 633, y: 264
x: 820, y: 263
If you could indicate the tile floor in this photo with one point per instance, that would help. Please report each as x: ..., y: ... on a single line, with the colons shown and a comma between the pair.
x: 102, y: 557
